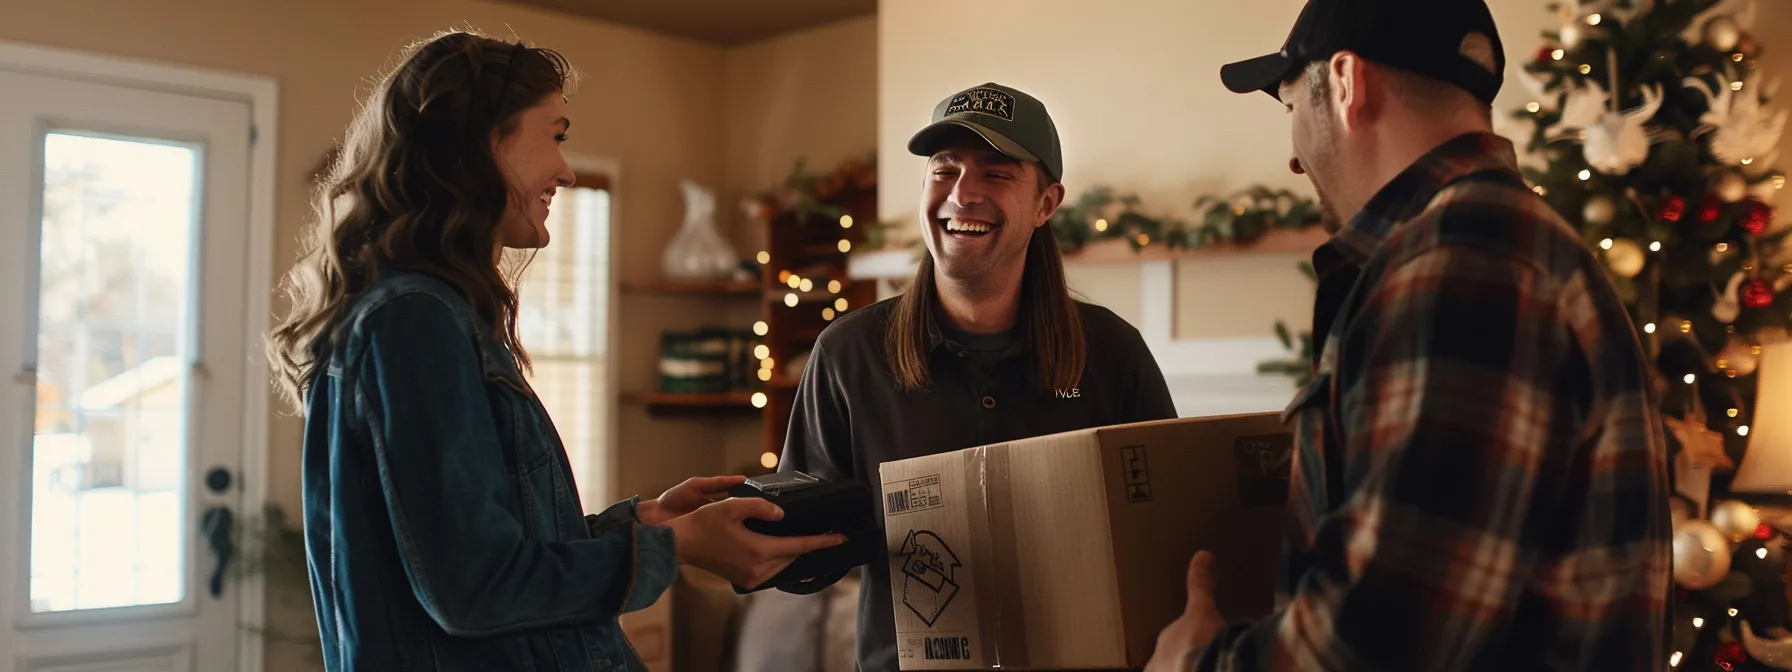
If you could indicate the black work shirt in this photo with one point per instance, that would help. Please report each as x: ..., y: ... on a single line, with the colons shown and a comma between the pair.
x: 851, y: 415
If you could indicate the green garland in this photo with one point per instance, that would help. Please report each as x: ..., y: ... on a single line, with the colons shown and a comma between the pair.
x: 1240, y: 218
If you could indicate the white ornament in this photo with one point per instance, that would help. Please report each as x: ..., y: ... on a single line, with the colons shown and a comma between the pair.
x: 1743, y: 12
x: 1701, y: 555
x: 1570, y: 34
x: 1775, y: 653
x: 1741, y: 128
x: 1613, y: 142
x: 1728, y: 307
x: 1722, y: 33
x: 1735, y: 519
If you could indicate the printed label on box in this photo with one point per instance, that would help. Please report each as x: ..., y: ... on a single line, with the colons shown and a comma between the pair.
x: 915, y: 494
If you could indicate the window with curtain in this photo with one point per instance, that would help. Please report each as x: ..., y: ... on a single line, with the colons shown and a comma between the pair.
x: 564, y: 297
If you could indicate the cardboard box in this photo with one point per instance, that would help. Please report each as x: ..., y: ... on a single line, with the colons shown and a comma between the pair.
x: 1071, y: 551
x: 649, y: 632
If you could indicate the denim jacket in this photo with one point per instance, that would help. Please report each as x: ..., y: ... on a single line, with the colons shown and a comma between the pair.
x: 442, y: 524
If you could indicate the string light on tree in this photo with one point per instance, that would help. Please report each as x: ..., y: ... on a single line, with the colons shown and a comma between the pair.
x: 769, y: 460
x: 833, y: 286
x: 846, y: 221
x: 840, y: 304
x: 845, y: 246
x: 760, y: 328
x: 764, y: 257
x: 758, y: 400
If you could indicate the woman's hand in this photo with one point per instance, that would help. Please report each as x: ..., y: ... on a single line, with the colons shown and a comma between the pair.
x: 684, y: 498
x: 712, y: 538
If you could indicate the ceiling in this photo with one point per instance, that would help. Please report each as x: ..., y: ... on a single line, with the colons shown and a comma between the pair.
x: 722, y: 22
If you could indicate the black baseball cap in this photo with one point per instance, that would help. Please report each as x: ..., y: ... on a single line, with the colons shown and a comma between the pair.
x: 1012, y: 122
x: 1428, y: 37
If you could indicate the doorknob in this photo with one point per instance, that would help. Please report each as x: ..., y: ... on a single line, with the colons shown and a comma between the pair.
x: 217, y: 525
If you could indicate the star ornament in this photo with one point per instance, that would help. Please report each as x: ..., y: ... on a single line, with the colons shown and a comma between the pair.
x: 1704, y: 445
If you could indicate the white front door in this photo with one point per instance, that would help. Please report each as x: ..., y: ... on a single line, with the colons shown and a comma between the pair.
x: 124, y: 244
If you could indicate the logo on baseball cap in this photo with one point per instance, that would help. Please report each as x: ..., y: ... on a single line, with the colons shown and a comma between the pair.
x: 1435, y: 38
x: 1012, y: 122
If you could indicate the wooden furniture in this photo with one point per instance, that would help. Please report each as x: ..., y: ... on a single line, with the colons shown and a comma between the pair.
x: 814, y: 249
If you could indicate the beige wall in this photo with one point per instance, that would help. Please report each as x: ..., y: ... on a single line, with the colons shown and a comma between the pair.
x: 1134, y: 88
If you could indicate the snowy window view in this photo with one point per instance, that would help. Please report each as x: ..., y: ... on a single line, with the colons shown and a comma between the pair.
x: 116, y: 273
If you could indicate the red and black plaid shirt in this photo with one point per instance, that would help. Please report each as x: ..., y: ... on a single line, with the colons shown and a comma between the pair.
x: 1480, y: 480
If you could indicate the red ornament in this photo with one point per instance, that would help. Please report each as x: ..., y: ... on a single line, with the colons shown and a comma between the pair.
x: 1763, y: 532
x: 1757, y: 294
x: 1711, y: 209
x: 1546, y: 53
x: 1758, y: 219
x: 1730, y: 654
x: 1672, y: 209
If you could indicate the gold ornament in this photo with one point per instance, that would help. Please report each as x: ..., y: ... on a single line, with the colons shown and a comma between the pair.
x: 1625, y: 257
x: 1738, y: 358
x: 1730, y: 186
x: 1723, y: 33
x: 1701, y: 555
x: 1600, y: 210
x: 1734, y: 519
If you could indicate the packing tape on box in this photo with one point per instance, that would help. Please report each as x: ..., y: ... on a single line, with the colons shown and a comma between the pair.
x: 1002, y: 620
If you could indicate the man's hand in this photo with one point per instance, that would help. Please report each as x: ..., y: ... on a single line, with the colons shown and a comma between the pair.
x: 1184, y: 639
x: 685, y: 498
x: 714, y: 539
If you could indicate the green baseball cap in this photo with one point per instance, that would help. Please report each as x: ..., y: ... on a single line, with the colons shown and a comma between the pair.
x: 1012, y: 122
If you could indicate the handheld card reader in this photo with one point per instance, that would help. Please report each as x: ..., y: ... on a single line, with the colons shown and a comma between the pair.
x: 814, y: 506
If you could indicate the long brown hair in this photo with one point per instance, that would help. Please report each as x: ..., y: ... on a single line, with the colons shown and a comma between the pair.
x: 1050, y: 324
x: 416, y: 185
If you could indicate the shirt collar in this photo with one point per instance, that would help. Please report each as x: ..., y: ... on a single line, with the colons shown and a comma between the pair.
x: 1410, y: 192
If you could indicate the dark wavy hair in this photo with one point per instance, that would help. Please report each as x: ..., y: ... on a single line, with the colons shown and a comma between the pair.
x: 416, y: 185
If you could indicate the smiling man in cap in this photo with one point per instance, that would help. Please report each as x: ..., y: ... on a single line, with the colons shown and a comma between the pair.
x: 986, y: 345
x: 1480, y: 479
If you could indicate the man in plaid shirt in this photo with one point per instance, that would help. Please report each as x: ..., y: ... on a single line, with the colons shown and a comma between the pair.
x: 1480, y: 480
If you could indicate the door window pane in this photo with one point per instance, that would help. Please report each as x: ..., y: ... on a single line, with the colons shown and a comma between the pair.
x: 108, y: 493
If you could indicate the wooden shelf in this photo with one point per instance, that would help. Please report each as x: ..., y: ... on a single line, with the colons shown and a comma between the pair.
x: 899, y: 264
x: 679, y: 403
x: 682, y: 288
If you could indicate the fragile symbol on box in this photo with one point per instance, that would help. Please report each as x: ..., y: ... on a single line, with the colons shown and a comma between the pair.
x: 1138, y: 476
x: 929, y: 571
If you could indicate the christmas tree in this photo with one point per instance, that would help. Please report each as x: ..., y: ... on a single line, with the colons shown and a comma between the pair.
x: 1651, y: 130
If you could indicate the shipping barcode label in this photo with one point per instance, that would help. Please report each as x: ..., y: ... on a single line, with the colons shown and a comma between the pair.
x: 915, y: 494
